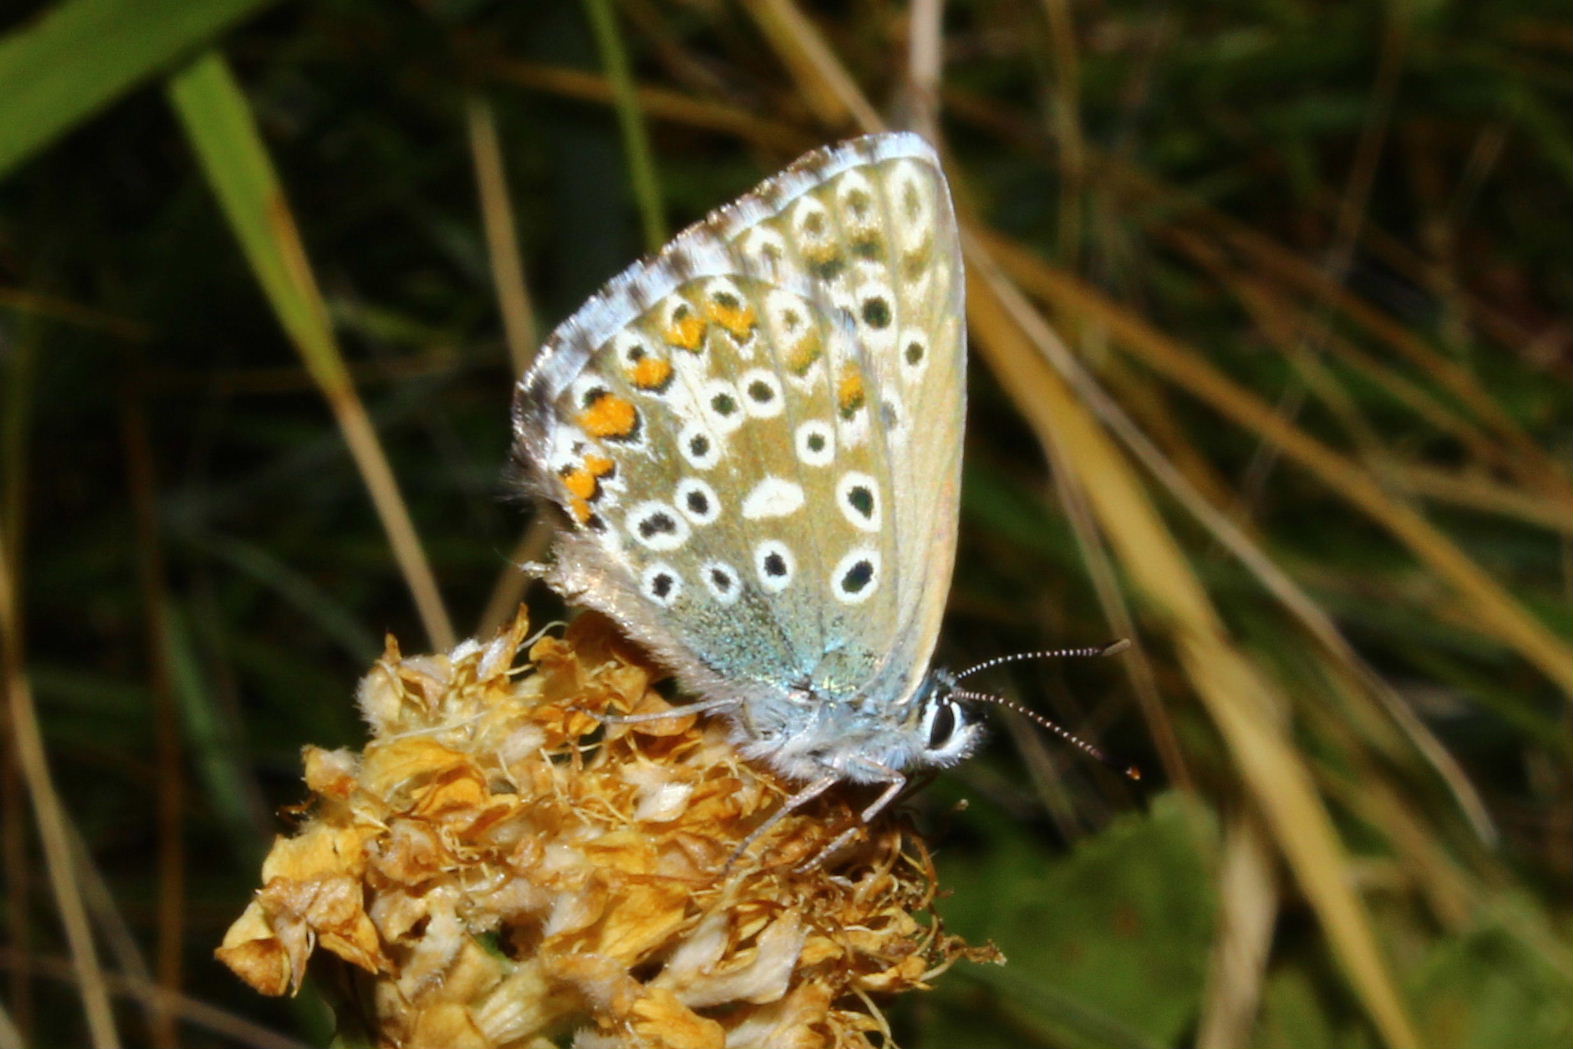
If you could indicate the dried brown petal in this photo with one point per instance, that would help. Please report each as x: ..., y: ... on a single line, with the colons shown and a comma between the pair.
x: 508, y: 871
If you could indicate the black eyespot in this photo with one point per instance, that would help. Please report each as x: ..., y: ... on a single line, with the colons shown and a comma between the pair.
x: 698, y: 502
x: 636, y: 353
x: 943, y: 726
x: 869, y: 247
x: 656, y: 524
x: 816, y: 442
x: 828, y: 268
x: 775, y: 565
x: 661, y: 586
x: 857, y: 577
x: 722, y: 581
x: 760, y: 391
x: 876, y: 313
x: 862, y: 500
x: 593, y: 394
x: 723, y: 404
x: 726, y: 300
x: 699, y: 446
x: 914, y: 352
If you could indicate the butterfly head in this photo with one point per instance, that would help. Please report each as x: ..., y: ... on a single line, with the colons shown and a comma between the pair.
x: 948, y: 727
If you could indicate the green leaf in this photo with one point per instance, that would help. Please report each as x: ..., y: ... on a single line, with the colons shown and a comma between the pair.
x: 1488, y: 989
x: 1105, y: 947
x: 80, y: 56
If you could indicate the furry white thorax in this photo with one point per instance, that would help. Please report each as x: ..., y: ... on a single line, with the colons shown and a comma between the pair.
x: 805, y: 738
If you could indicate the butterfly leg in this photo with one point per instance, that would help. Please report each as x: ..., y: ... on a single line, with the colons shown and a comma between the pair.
x: 894, y: 781
x: 796, y: 801
x: 683, y: 711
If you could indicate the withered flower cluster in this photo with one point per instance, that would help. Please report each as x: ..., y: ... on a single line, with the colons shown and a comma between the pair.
x: 504, y: 870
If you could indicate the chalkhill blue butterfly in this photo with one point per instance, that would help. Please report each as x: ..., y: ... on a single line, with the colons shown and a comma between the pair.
x: 755, y: 438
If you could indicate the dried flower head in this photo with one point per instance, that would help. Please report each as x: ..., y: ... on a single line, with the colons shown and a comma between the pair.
x: 508, y: 871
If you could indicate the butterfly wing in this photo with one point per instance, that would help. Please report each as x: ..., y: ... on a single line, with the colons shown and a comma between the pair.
x: 755, y: 436
x: 879, y: 239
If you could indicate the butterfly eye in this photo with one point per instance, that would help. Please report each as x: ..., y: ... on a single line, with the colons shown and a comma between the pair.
x: 942, y: 725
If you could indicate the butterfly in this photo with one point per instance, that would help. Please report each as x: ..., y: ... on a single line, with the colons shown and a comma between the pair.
x: 755, y: 441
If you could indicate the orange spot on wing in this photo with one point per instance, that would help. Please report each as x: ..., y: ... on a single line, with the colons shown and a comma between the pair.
x: 738, y: 320
x: 651, y: 373
x: 584, y: 482
x: 580, y: 510
x: 804, y: 352
x: 850, y: 395
x: 609, y: 416
x: 686, y: 332
x: 581, y: 483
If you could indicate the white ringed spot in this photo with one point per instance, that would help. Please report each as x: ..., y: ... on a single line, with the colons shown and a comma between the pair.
x: 761, y: 393
x: 630, y: 346
x: 723, y: 288
x: 913, y: 202
x: 697, y: 501
x: 661, y: 584
x: 876, y: 308
x: 722, y: 580
x: 775, y: 565
x: 816, y: 442
x: 856, y: 576
x: 772, y: 497
x: 723, y: 405
x: 857, y: 495
x: 586, y: 387
x: 811, y: 222
x: 855, y: 196
x: 700, y: 448
x: 913, y: 349
x: 789, y: 314
x: 862, y: 217
x: 765, y: 247
x: 675, y: 311
x: 657, y: 526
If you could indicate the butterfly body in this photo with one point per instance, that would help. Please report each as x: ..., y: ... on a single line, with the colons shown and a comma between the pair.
x: 755, y: 440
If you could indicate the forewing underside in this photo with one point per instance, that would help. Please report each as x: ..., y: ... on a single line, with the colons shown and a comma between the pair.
x: 756, y: 436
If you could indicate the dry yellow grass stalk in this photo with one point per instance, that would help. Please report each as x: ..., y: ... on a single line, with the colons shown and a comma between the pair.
x: 504, y: 870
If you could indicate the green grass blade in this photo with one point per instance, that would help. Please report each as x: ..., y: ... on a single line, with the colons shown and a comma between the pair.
x: 224, y: 135
x: 219, y: 124
x: 78, y: 57
x: 641, y: 165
